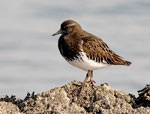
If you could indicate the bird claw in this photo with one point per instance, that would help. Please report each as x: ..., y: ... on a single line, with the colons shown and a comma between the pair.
x: 91, y: 82
x: 79, y: 88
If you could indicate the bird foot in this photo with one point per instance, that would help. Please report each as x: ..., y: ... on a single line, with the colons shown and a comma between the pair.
x: 81, y: 85
x: 79, y: 88
x: 91, y: 82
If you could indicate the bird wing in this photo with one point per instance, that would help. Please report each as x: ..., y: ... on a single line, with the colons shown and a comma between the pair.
x: 98, y: 51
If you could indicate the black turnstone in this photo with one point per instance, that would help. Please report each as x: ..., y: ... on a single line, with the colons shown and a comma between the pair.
x: 84, y: 50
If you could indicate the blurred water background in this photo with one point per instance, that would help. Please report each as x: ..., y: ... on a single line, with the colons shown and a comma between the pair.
x: 29, y: 56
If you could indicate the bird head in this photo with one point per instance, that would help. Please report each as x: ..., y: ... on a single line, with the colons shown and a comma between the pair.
x: 68, y: 27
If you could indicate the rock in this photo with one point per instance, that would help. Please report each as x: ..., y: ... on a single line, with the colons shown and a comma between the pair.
x: 55, y: 101
x: 8, y: 108
x: 71, y: 99
x: 144, y: 97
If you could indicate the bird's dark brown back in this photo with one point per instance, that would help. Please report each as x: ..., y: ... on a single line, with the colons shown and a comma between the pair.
x: 99, y: 51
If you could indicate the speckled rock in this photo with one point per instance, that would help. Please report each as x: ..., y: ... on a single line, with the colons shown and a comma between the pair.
x: 8, y: 108
x: 55, y: 101
x: 71, y: 99
x: 100, y: 99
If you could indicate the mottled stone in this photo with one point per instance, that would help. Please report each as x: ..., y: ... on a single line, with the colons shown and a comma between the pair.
x: 8, y: 108
x: 71, y: 99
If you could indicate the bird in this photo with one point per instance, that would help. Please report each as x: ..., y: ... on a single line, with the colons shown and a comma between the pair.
x: 85, y: 50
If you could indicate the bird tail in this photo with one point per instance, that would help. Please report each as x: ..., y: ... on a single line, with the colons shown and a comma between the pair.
x: 118, y: 60
x: 128, y: 63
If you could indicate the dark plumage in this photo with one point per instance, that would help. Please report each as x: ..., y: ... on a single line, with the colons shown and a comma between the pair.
x: 84, y: 50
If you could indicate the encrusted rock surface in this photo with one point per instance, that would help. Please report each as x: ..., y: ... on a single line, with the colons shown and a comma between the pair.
x: 8, y: 108
x: 71, y: 99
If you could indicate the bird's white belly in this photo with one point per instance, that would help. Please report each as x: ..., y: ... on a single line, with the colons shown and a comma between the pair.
x: 87, y: 64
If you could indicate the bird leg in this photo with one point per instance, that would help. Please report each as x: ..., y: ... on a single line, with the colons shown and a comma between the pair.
x: 86, y: 78
x: 89, y: 73
x: 91, y: 78
x: 83, y: 83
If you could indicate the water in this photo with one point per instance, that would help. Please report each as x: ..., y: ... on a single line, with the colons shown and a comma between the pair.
x: 29, y: 57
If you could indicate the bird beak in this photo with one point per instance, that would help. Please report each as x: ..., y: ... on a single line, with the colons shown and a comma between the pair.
x: 58, y: 32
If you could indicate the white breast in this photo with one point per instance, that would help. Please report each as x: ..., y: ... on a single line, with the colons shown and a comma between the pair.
x: 86, y: 64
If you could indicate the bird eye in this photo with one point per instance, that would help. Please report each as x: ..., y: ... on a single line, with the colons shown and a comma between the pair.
x: 66, y: 27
